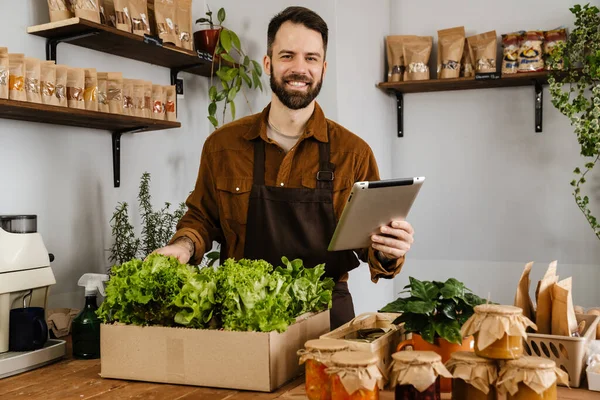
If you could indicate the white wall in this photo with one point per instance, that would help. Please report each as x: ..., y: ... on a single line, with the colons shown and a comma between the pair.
x: 497, y: 194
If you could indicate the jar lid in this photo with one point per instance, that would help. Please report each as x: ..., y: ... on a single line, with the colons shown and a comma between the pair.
x: 421, y: 357
x: 354, y: 359
x: 531, y: 362
x: 469, y: 356
x: 498, y: 309
x: 326, y: 345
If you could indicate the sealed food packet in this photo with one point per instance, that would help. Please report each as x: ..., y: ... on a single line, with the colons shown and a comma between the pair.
x: 4, y: 72
x: 564, y: 320
x: 551, y: 40
x: 466, y: 63
x: 147, y: 99
x: 544, y: 300
x: 171, y: 104
x: 61, y: 85
x: 103, y: 92
x: 184, y: 22
x: 128, y: 96
x: 510, y: 52
x: 16, y: 78
x: 531, y: 57
x: 417, y: 51
x: 87, y: 9
x: 90, y: 91
x: 164, y: 12
x: 75, y: 86
x: 60, y: 10
x: 450, y: 50
x: 108, y: 8
x: 484, y: 47
x: 139, y: 17
x: 122, y: 15
x: 138, y: 98
x: 522, y: 298
x: 115, y: 92
x: 48, y: 83
x: 33, y: 72
x: 395, y: 57
x: 158, y: 110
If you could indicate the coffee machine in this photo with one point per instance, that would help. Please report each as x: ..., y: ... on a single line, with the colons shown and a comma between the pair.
x: 24, y: 272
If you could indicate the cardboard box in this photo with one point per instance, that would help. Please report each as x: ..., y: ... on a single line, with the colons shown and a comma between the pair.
x: 259, y: 361
x: 383, y: 346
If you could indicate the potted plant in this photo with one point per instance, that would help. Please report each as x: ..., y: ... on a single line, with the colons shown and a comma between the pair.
x: 206, y: 39
x: 575, y: 92
x: 434, y: 312
x: 231, y: 65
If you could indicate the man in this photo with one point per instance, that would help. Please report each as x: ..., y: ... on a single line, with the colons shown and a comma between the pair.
x: 274, y: 184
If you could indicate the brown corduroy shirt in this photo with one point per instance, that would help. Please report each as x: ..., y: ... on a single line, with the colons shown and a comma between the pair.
x: 218, y: 206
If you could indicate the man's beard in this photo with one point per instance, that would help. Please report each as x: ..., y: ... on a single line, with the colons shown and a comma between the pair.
x: 295, y: 99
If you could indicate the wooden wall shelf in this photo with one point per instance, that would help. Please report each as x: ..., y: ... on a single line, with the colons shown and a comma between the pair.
x: 534, y: 79
x: 114, y: 123
x: 103, y: 38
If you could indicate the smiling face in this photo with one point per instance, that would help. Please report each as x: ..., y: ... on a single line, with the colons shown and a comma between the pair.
x: 297, y: 65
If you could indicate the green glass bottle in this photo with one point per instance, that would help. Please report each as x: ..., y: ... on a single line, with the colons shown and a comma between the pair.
x: 86, y: 331
x: 86, y: 325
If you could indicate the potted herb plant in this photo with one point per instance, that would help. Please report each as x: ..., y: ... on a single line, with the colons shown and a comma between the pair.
x: 434, y: 312
x: 575, y: 91
x: 230, y: 64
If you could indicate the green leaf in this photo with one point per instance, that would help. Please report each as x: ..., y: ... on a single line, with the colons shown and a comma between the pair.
x: 213, y: 121
x: 238, y: 83
x: 246, y: 78
x: 202, y: 21
x: 396, y: 306
x: 212, y: 93
x: 221, y: 95
x: 246, y: 61
x: 428, y: 333
x: 449, y: 310
x: 232, y: 107
x: 235, y: 40
x: 221, y: 15
x: 212, y: 108
x: 226, y: 40
x: 231, y: 95
x: 257, y: 67
x: 449, y: 330
x: 222, y: 74
x: 256, y: 80
x: 420, y: 307
x: 452, y: 289
x: 573, y: 183
x: 232, y: 73
x: 227, y: 57
x: 423, y: 290
x: 577, y: 171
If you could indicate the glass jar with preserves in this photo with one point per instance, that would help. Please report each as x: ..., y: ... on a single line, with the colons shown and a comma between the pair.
x: 499, y: 331
x: 474, y: 377
x: 530, y: 378
x: 415, y: 375
x: 354, y: 375
x: 316, y: 356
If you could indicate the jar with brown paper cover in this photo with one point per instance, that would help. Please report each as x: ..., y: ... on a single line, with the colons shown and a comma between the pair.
x: 415, y: 375
x: 316, y: 356
x: 354, y: 375
x: 530, y: 378
x: 499, y: 331
x: 474, y: 377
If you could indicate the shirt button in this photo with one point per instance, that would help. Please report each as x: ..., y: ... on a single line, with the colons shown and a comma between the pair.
x: 281, y: 183
x: 237, y: 189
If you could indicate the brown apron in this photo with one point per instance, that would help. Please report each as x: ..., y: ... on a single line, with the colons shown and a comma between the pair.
x: 299, y: 223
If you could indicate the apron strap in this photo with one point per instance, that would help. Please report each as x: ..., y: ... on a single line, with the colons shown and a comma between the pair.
x: 259, y: 162
x: 325, y: 174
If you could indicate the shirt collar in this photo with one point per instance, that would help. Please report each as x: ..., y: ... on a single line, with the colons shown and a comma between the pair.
x: 316, y: 126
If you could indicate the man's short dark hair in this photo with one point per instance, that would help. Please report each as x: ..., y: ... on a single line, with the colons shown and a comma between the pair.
x: 297, y: 15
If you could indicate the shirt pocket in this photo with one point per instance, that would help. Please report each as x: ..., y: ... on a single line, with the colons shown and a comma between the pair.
x: 234, y: 197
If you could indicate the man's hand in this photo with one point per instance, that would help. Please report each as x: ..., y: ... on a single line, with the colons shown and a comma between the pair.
x: 182, y: 249
x: 396, y: 242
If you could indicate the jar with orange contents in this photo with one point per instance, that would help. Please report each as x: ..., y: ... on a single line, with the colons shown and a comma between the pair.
x: 499, y: 331
x: 530, y: 378
x: 415, y: 375
x: 316, y: 356
x: 474, y: 377
x: 354, y: 375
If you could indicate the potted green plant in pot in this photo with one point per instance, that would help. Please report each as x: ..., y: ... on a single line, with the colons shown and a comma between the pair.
x: 234, y: 69
x: 575, y: 91
x: 434, y: 312
x: 206, y: 38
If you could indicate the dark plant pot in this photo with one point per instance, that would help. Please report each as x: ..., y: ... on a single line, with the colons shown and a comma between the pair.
x: 206, y: 40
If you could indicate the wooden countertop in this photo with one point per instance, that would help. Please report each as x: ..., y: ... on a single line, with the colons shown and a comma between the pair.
x: 80, y: 379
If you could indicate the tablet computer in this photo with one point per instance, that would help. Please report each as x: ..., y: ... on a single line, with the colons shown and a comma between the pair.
x: 370, y: 205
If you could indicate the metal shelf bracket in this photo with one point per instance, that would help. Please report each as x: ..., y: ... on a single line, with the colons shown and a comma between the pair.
x: 116, y: 152
x: 400, y: 111
x: 51, y: 44
x: 539, y: 108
